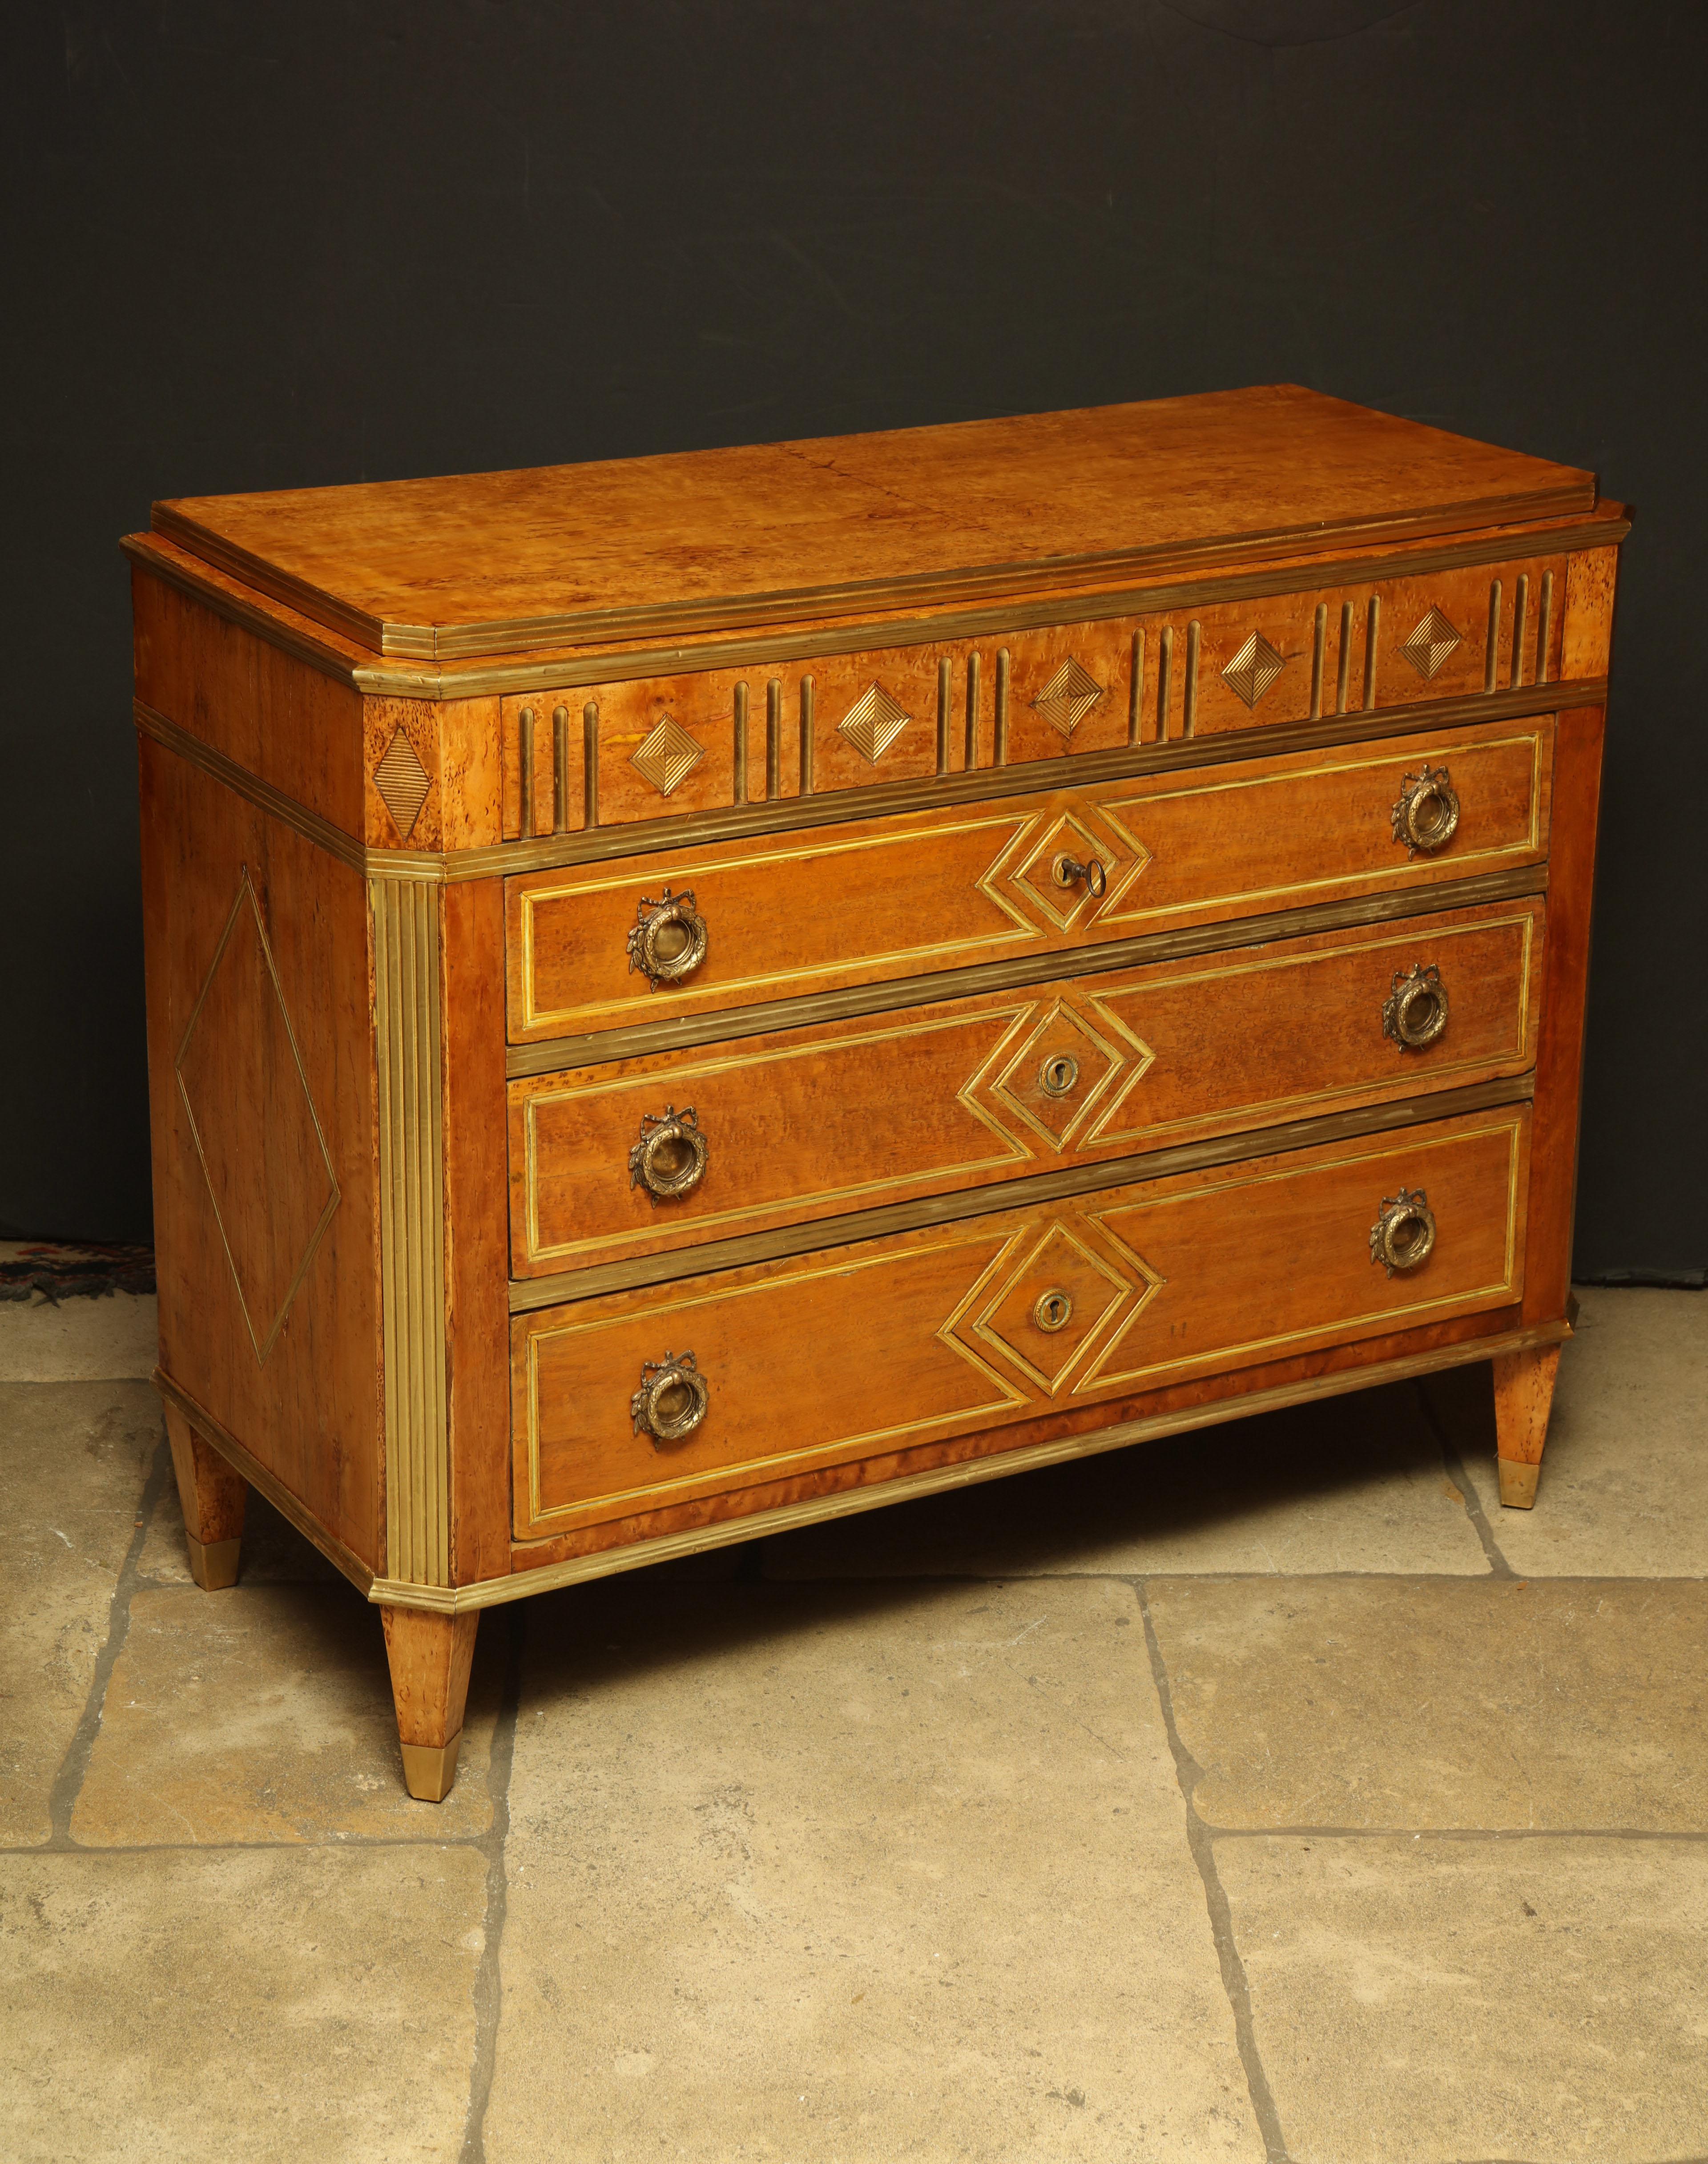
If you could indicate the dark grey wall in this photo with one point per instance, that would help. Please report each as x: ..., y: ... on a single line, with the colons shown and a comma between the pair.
x: 294, y: 241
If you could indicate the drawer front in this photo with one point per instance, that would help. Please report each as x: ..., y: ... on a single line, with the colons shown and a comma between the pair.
x: 845, y: 1115
x: 883, y: 900
x: 705, y: 741
x: 890, y: 1344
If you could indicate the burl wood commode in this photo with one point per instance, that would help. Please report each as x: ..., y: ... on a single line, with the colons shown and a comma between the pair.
x: 692, y: 995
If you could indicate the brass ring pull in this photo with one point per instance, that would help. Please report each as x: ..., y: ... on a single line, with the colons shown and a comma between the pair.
x: 1067, y: 871
x: 671, y: 1401
x: 1414, y: 1013
x: 669, y: 1159
x: 669, y: 938
x: 1403, y: 1237
x: 1052, y: 1310
x: 1058, y: 1074
x: 1426, y: 817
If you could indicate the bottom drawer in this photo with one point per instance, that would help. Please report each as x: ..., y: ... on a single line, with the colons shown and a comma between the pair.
x: 890, y: 1343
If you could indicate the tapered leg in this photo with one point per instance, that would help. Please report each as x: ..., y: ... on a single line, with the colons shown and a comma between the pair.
x: 213, y: 1498
x: 1523, y: 1393
x: 429, y: 1656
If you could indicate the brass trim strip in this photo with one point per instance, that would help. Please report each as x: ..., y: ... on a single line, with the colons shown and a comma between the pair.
x: 996, y: 1465
x: 738, y: 705
x: 1165, y: 669
x: 773, y: 739
x: 525, y: 773
x: 244, y: 1461
x: 596, y: 844
x: 972, y: 759
x: 1544, y: 625
x: 1521, y: 601
x: 523, y: 675
x: 590, y: 764
x: 946, y: 694
x: 286, y: 810
x: 1373, y: 620
x: 412, y: 1231
x: 560, y: 770
x: 808, y: 690
x: 1492, y: 642
x: 528, y: 1296
x: 547, y: 1056
x: 1002, y: 707
x: 1189, y: 694
x: 1136, y: 691
x: 1319, y: 640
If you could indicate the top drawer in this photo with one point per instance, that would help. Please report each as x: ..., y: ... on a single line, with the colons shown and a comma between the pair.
x: 886, y: 898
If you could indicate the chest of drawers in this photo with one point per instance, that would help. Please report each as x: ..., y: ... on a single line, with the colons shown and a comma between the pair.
x: 692, y: 995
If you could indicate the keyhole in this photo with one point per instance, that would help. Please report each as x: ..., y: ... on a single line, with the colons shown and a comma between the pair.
x: 1057, y: 1076
x: 1052, y: 1310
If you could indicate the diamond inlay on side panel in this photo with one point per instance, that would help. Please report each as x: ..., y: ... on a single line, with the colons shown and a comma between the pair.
x: 669, y: 756
x: 1254, y: 669
x: 257, y: 1134
x: 1068, y: 697
x: 873, y: 722
x: 1431, y: 644
x: 403, y: 783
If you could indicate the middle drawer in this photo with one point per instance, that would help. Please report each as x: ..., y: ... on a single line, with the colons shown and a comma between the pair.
x: 632, y: 1157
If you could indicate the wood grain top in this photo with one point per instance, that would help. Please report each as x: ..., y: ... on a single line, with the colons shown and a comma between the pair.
x: 502, y: 562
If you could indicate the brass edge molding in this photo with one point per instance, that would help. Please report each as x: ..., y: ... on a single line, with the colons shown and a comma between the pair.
x: 993, y: 581
x: 253, y: 616
x: 529, y: 1295
x: 310, y: 825
x: 1028, y: 777
x: 536, y: 675
x: 893, y: 994
x: 243, y: 1460
x: 996, y: 1465
x: 852, y: 635
x: 406, y: 1018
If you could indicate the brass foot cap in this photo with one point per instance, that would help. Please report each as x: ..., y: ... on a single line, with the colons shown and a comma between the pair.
x: 213, y: 1566
x: 430, y: 1768
x: 1518, y: 1483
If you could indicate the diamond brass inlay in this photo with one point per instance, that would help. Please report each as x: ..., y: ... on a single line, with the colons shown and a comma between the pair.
x: 669, y: 756
x: 873, y: 722
x: 403, y: 783
x: 1097, y: 1294
x: 1431, y: 644
x: 1068, y: 697
x: 257, y: 1135
x: 1254, y: 669
x: 1062, y: 1029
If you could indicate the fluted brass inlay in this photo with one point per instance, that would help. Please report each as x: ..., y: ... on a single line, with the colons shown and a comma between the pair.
x: 1254, y: 669
x: 873, y: 722
x: 1068, y: 697
x: 411, y: 1230
x: 667, y: 756
x: 403, y: 783
x: 1432, y: 645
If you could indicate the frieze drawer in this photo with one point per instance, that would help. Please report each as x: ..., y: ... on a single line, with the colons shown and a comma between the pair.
x: 642, y: 1155
x: 646, y: 1399
x: 688, y: 743
x: 735, y: 924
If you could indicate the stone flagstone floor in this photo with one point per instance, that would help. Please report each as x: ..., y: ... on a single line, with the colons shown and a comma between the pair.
x: 1267, y: 1794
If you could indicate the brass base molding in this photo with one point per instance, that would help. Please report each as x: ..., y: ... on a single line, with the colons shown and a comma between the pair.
x: 789, y: 1517
x: 1518, y: 1485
